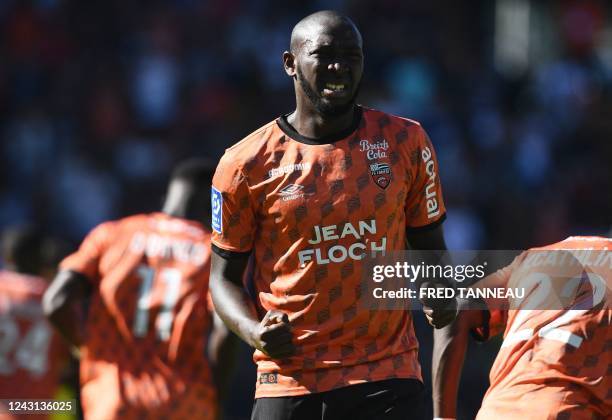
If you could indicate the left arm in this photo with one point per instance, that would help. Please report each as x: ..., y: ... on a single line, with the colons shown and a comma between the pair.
x: 450, y: 344
x: 60, y: 305
x: 439, y: 312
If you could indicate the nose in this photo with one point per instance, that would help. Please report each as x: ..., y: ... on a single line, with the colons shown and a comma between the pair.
x: 338, y: 66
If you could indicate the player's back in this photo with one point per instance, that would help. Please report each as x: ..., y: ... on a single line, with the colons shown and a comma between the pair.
x: 31, y: 355
x: 148, y: 319
x: 556, y: 357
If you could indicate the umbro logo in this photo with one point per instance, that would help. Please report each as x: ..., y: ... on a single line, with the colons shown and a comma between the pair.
x: 291, y: 189
x: 291, y: 192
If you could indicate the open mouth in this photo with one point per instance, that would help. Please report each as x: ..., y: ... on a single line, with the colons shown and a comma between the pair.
x: 336, y: 89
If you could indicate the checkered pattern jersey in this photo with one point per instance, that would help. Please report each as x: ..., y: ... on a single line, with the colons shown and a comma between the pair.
x: 309, y: 212
x: 554, y: 363
x: 31, y: 354
x: 148, y: 319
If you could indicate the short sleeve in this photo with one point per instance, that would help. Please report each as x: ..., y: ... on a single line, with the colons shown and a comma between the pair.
x: 424, y: 203
x: 233, y: 221
x: 86, y: 260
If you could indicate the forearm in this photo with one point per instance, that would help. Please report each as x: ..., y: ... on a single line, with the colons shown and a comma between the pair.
x: 235, y: 308
x: 63, y: 315
x: 450, y: 344
x: 428, y: 248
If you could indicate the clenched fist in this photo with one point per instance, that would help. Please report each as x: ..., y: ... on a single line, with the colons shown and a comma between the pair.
x: 273, y: 335
x: 439, y: 312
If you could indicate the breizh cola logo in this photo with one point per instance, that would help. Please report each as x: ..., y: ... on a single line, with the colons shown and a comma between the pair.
x: 381, y: 173
x: 376, y: 150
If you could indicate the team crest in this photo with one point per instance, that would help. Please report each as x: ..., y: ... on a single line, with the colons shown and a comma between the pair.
x: 381, y: 173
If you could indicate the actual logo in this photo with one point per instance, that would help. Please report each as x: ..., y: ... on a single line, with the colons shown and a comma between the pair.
x: 381, y: 173
x: 216, y: 201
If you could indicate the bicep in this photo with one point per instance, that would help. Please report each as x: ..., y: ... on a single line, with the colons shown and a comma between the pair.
x: 227, y: 268
x: 427, y: 239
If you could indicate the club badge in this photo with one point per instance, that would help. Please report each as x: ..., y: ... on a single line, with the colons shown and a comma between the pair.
x: 381, y: 173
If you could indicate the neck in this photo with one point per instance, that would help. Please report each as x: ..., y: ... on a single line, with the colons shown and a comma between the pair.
x: 309, y: 123
x: 183, y: 210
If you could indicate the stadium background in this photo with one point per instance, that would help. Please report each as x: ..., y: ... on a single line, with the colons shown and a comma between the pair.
x: 99, y: 99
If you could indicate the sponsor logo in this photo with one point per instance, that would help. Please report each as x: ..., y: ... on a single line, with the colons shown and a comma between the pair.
x: 287, y: 169
x: 362, y: 232
x: 433, y: 208
x: 376, y: 150
x: 291, y: 192
x: 381, y: 173
x: 268, y: 378
x: 216, y: 200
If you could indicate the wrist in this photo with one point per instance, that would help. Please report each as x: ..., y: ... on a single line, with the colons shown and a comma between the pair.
x: 249, y: 332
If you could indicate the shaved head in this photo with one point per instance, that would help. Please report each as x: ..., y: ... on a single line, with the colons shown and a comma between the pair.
x: 308, y: 28
x: 326, y: 63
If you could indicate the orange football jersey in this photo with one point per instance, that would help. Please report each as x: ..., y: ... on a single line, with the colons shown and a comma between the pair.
x: 31, y: 354
x: 556, y: 360
x: 311, y: 211
x: 148, y: 320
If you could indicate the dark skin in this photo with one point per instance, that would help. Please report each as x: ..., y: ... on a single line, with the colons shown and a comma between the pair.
x: 326, y: 48
x: 450, y: 345
x: 62, y: 300
x: 272, y: 334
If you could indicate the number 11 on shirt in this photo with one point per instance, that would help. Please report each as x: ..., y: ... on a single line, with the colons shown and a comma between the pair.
x: 171, y: 277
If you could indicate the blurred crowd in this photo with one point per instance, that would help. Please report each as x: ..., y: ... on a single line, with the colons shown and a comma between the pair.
x: 99, y: 99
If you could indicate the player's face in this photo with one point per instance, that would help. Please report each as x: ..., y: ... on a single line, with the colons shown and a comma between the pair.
x: 329, y: 66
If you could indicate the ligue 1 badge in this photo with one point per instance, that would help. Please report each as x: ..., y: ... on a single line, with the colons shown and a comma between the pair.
x: 381, y: 173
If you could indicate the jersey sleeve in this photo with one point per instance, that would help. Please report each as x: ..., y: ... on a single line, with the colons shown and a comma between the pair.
x: 233, y: 221
x: 424, y: 205
x: 86, y: 260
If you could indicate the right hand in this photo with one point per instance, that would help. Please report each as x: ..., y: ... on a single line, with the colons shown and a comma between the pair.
x: 273, y: 335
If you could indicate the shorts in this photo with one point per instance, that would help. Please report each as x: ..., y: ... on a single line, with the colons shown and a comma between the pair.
x: 390, y: 399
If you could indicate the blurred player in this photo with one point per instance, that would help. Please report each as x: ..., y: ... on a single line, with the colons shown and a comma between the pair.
x: 143, y: 343
x: 31, y: 355
x: 556, y: 360
x: 310, y: 194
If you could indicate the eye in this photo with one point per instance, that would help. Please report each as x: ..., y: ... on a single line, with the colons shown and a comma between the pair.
x: 322, y: 54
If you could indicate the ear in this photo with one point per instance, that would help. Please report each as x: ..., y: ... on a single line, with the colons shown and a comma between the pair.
x: 289, y: 63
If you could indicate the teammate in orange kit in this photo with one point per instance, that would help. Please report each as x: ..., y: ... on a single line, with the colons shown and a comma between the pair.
x: 32, y: 357
x: 555, y: 360
x: 143, y: 342
x: 309, y: 195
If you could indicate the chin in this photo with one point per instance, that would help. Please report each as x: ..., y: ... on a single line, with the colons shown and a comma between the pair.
x: 328, y: 109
